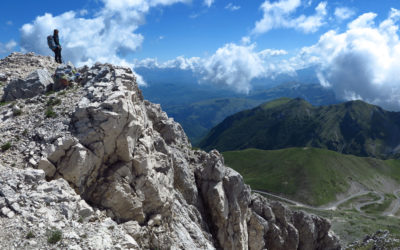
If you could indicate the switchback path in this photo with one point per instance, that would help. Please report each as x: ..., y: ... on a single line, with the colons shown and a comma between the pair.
x: 396, y: 206
x: 380, y: 201
x: 339, y: 202
x: 292, y: 202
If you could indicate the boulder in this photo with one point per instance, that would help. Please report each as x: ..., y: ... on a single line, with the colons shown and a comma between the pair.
x: 3, y: 77
x: 38, y: 82
x: 47, y: 167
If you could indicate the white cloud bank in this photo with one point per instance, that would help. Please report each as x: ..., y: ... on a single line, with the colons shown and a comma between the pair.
x: 179, y: 63
x: 231, y: 65
x: 363, y: 62
x: 281, y: 14
x: 106, y: 37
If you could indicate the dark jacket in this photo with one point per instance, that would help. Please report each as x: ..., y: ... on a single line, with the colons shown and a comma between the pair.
x: 56, y: 40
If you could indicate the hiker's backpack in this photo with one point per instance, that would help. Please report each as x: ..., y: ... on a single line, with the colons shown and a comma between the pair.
x: 51, y: 43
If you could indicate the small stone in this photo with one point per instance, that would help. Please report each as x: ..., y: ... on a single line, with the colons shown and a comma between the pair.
x: 7, y: 212
x: 47, y: 167
x: 32, y: 243
x: 2, y: 202
x: 32, y: 162
x: 74, y: 247
x: 155, y: 220
x: 3, y: 77
x: 72, y: 235
x: 16, y: 207
x: 84, y: 209
x: 33, y: 175
x: 130, y: 243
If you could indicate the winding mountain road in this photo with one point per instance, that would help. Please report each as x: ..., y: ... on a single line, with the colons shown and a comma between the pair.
x: 292, y: 202
x: 339, y: 202
x: 396, y: 206
x: 380, y: 201
x: 323, y: 208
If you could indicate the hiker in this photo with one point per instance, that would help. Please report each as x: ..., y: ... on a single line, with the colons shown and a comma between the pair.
x: 54, y: 44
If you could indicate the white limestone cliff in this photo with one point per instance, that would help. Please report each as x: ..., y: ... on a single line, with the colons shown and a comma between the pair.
x: 130, y: 168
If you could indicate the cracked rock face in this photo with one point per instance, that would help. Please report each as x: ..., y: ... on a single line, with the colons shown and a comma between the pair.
x: 38, y: 82
x: 130, y: 166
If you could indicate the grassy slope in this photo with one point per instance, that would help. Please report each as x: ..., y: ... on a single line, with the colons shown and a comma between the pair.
x: 351, y: 226
x: 353, y: 127
x: 310, y: 175
x: 197, y: 118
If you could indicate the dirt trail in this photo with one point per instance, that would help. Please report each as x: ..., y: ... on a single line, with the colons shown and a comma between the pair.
x: 395, y: 204
x: 341, y: 201
x: 380, y: 201
x: 322, y: 208
x: 292, y: 202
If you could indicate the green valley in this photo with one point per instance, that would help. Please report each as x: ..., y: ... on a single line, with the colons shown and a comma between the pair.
x: 311, y: 175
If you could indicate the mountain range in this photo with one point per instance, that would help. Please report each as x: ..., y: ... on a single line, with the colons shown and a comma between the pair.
x: 199, y: 107
x: 353, y: 127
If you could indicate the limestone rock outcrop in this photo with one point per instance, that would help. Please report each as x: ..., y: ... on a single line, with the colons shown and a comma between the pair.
x: 130, y: 162
x: 18, y: 65
x: 38, y: 82
x: 33, y: 209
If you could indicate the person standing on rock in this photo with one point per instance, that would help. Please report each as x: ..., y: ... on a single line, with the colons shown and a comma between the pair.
x: 54, y: 44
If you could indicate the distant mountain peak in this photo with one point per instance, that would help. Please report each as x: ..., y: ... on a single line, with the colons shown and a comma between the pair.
x: 353, y: 127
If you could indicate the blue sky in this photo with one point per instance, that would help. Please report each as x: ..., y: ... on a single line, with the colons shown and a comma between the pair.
x: 191, y: 28
x: 353, y: 45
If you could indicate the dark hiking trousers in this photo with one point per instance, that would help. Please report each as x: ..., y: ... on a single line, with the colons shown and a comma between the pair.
x: 57, y: 52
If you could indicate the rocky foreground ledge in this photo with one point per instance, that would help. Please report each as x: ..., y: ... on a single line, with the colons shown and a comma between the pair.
x: 95, y: 166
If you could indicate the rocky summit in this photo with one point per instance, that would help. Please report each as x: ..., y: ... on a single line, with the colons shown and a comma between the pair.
x: 90, y: 164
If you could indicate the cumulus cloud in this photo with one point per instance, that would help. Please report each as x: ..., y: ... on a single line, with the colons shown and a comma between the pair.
x: 363, y: 62
x: 234, y: 66
x: 108, y: 36
x: 8, y: 47
x: 237, y: 65
x: 208, y: 3
x: 232, y: 7
x: 343, y: 13
x: 282, y: 14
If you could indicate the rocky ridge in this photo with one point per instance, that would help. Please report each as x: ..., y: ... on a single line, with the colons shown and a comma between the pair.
x: 145, y: 186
